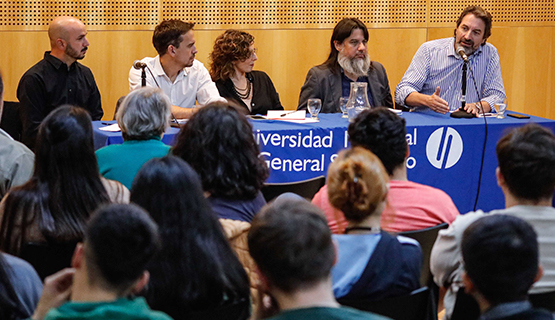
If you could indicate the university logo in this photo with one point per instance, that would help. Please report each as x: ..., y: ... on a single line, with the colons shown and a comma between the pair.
x: 444, y: 148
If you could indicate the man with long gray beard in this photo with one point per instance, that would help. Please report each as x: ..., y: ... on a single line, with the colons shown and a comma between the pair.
x: 348, y: 62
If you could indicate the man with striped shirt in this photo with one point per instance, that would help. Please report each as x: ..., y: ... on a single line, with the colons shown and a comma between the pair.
x: 433, y: 79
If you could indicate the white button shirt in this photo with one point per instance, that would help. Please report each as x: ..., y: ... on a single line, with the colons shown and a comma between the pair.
x: 193, y: 84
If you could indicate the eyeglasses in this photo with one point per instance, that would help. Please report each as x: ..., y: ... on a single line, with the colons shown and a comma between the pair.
x: 253, y: 52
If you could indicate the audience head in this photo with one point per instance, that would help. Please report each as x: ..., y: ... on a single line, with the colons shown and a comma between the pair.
x: 340, y: 45
x: 196, y: 265
x: 290, y: 241
x: 120, y: 240
x: 500, y: 254
x: 170, y: 33
x: 526, y: 157
x: 65, y: 187
x: 144, y: 114
x: 479, y: 13
x: 218, y: 143
x: 382, y: 132
x: 357, y: 184
x: 233, y: 52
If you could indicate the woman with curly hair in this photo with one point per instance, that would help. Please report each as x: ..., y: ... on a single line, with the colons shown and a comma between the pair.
x: 372, y: 264
x: 218, y: 143
x: 231, y: 68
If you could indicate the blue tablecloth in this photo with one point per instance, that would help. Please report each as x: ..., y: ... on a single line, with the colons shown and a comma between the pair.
x: 444, y: 152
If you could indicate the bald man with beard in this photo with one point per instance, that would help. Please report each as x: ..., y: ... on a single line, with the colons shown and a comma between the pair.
x: 58, y: 78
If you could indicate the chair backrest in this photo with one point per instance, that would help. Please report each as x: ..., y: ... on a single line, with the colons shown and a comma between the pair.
x: 11, y: 122
x: 544, y: 300
x: 415, y: 306
x: 48, y: 258
x: 466, y: 307
x: 306, y: 189
x: 239, y: 310
x: 426, y: 238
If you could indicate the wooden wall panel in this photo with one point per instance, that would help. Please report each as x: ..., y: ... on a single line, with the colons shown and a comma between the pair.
x: 292, y: 36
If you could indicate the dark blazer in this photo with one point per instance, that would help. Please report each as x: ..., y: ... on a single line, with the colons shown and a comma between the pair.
x: 322, y: 83
x: 264, y: 97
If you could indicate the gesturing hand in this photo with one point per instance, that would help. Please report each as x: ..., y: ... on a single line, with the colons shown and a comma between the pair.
x: 436, y: 103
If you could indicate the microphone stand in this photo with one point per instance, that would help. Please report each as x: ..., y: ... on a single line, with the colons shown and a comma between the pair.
x: 143, y: 77
x: 461, y: 113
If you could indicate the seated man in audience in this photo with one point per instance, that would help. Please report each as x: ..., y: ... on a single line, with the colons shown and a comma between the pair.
x: 526, y: 157
x: 175, y: 70
x: 433, y: 79
x: 108, y: 267
x: 291, y: 244
x: 411, y: 206
x: 348, y: 62
x: 500, y: 254
x: 16, y: 160
x: 58, y: 79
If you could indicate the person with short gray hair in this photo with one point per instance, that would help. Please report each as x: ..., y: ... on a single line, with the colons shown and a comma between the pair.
x: 143, y: 118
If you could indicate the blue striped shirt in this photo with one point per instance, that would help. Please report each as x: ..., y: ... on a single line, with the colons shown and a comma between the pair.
x: 437, y: 64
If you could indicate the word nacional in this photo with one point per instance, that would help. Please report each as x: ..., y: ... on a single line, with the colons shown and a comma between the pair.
x: 308, y: 151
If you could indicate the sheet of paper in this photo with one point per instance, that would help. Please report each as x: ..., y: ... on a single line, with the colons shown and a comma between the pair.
x: 111, y: 128
x: 286, y: 114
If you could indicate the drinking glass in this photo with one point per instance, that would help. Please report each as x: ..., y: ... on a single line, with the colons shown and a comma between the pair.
x: 343, y: 106
x: 314, y: 106
x: 500, y: 109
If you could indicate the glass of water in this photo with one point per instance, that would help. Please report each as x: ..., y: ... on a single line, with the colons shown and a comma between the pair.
x: 314, y: 106
x: 500, y: 109
x: 343, y: 106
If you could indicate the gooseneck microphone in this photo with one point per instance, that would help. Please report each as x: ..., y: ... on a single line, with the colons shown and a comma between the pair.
x: 462, y: 53
x: 461, y: 113
x: 139, y: 65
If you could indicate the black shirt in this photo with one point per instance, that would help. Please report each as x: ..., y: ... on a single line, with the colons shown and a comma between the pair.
x: 50, y: 84
x: 264, y: 96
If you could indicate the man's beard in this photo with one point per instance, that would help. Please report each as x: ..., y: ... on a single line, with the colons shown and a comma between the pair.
x: 74, y: 53
x: 356, y: 66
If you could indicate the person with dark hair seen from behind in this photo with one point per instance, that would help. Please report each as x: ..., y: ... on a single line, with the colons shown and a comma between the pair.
x: 58, y: 79
x: 196, y: 269
x: 526, y: 157
x: 143, y: 117
x: 218, y: 143
x: 501, y: 259
x: 358, y: 185
x: 294, y: 252
x: 231, y: 68
x: 55, y: 204
x: 109, y: 267
x: 20, y: 288
x: 433, y: 79
x: 16, y: 160
x: 175, y: 70
x: 347, y: 62
x: 410, y: 205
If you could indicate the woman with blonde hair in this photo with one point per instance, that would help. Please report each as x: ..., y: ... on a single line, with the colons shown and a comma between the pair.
x: 372, y: 264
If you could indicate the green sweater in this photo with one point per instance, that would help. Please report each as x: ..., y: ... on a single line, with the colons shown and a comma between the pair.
x: 121, y: 162
x: 121, y: 309
x: 324, y: 313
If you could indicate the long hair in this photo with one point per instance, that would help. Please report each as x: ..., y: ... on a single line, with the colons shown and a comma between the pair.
x: 230, y: 46
x: 65, y: 187
x: 196, y: 268
x: 218, y: 143
x: 9, y: 302
x: 342, y: 31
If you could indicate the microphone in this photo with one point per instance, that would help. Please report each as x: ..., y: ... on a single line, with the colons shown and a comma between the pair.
x: 462, y: 53
x: 139, y: 65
